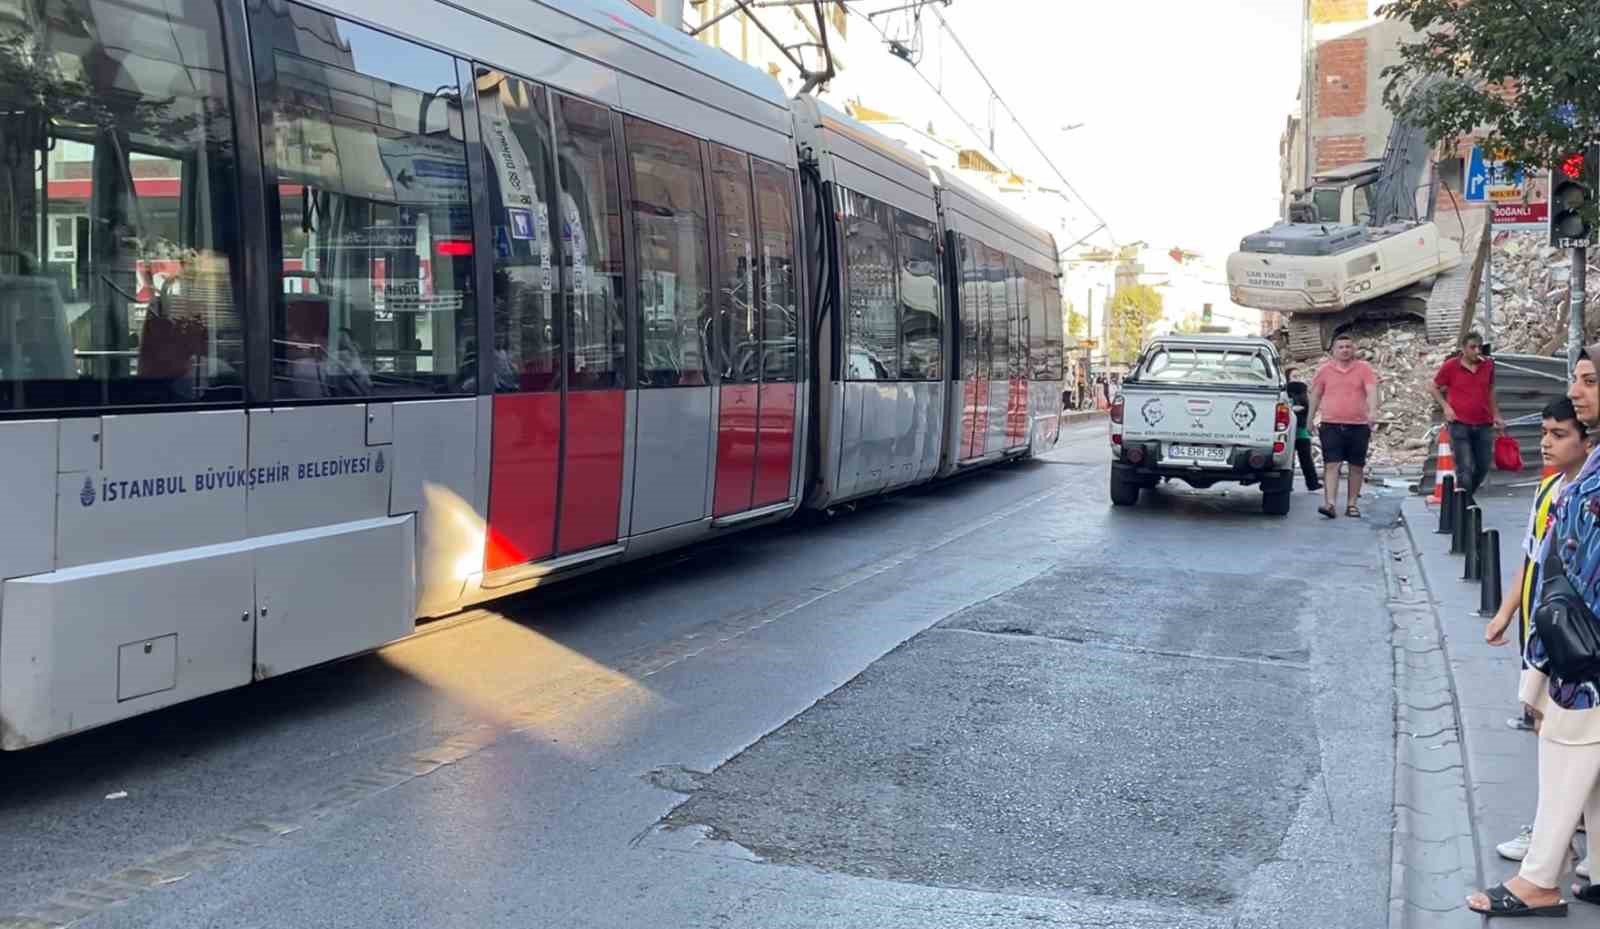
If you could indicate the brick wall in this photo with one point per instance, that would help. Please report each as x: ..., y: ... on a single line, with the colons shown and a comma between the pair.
x: 1336, y: 150
x: 1342, y: 77
x: 1338, y: 11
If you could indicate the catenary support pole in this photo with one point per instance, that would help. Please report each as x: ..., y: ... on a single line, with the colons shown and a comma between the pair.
x: 1580, y: 273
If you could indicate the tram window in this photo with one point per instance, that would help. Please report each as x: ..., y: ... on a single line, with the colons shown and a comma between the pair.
x: 1038, y: 366
x: 971, y: 306
x: 1016, y: 317
x: 368, y: 127
x: 780, y: 301
x: 999, y: 302
x: 737, y: 328
x: 517, y: 140
x: 115, y: 120
x: 1054, y: 362
x: 921, y: 316
x: 591, y: 238
x: 874, y: 352
x: 669, y: 223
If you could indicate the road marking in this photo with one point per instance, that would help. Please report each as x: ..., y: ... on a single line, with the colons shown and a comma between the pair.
x: 526, y: 709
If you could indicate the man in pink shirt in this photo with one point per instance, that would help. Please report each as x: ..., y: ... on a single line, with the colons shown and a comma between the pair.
x: 1345, y: 392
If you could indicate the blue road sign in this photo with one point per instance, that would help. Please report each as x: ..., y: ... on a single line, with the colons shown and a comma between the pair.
x: 502, y: 242
x: 1477, y: 180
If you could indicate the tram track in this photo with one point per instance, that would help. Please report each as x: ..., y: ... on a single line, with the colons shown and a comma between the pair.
x: 520, y: 711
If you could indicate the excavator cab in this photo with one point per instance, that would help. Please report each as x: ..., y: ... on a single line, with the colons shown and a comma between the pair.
x: 1342, y: 195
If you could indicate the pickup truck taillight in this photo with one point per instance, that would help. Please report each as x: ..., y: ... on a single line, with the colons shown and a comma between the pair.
x: 1116, y: 411
x: 1283, y: 417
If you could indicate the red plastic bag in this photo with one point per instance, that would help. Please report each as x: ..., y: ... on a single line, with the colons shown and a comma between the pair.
x: 1507, y: 455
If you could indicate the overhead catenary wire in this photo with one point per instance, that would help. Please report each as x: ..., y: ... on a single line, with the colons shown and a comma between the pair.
x: 978, y: 133
x: 945, y: 26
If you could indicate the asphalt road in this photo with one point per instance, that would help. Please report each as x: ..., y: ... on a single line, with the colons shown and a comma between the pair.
x: 997, y: 702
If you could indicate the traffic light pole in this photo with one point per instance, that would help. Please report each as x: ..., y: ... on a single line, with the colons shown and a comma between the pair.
x: 1580, y: 268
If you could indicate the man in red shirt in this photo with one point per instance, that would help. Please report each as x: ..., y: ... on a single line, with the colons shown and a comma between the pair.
x: 1464, y: 386
x: 1345, y: 392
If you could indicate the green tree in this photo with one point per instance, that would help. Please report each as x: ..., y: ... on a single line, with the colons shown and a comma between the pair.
x: 1077, y: 324
x: 1526, y: 72
x: 1134, y: 311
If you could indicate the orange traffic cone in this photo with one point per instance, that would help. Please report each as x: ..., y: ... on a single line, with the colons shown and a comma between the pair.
x: 1447, y: 466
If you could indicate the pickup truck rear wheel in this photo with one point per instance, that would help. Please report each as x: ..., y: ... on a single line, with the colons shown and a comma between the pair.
x: 1123, y: 493
x: 1276, y: 503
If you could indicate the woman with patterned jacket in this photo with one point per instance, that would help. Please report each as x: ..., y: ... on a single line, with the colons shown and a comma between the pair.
x: 1568, y: 710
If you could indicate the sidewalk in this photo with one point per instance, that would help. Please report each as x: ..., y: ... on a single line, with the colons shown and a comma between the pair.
x: 1500, y: 764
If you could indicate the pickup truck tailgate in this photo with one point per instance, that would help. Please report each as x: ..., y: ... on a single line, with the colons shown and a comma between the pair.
x: 1208, y: 417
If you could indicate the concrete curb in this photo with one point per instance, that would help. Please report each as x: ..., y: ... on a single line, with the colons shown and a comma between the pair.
x: 1081, y: 416
x: 1434, y: 862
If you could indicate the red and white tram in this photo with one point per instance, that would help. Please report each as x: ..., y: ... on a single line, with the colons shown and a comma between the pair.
x: 432, y: 305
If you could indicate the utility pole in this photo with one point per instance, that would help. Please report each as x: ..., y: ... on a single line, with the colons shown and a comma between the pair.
x: 1488, y: 295
x: 1580, y: 269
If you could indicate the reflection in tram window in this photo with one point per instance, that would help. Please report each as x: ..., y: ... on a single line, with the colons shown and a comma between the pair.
x: 874, y: 350
x: 780, y: 304
x: 994, y: 280
x: 737, y: 333
x: 1054, y: 361
x: 921, y: 319
x: 669, y: 223
x: 972, y: 362
x: 1017, y: 316
x: 591, y: 239
x: 516, y: 136
x: 363, y: 143
x: 114, y: 121
x: 1038, y: 366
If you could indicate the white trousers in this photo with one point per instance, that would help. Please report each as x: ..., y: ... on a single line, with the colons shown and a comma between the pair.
x: 1569, y: 789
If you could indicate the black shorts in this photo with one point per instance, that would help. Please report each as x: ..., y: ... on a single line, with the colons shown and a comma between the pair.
x: 1345, y: 442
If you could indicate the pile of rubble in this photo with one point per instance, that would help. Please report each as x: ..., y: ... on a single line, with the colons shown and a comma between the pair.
x: 1530, y: 301
x: 1531, y: 294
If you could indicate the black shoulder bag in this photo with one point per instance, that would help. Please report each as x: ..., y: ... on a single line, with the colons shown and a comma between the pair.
x: 1569, y: 632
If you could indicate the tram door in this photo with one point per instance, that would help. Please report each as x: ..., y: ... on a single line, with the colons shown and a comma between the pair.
x: 755, y: 330
x: 976, y: 327
x: 560, y: 346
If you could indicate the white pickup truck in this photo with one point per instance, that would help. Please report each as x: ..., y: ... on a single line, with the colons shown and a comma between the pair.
x: 1204, y: 410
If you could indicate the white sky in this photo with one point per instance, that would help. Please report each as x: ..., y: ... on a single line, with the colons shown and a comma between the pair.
x: 1182, y: 103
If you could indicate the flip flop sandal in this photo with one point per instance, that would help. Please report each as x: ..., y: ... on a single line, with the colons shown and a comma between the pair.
x: 1588, y: 893
x: 1327, y: 511
x: 1353, y: 510
x: 1503, y: 902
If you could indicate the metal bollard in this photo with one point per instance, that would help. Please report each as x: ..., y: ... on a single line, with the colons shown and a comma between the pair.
x: 1458, y: 521
x: 1489, y: 565
x: 1447, y: 499
x: 1470, y: 571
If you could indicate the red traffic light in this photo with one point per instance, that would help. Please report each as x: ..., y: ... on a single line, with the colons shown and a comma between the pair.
x: 1573, y: 166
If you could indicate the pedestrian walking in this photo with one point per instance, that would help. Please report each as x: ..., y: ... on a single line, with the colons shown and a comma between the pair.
x: 1345, y: 392
x: 1563, y: 447
x: 1464, y: 388
x: 1300, y: 402
x: 1568, y: 711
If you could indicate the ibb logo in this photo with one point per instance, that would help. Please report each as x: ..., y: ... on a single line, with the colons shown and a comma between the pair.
x: 1244, y: 416
x: 86, y: 495
x: 378, y: 465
